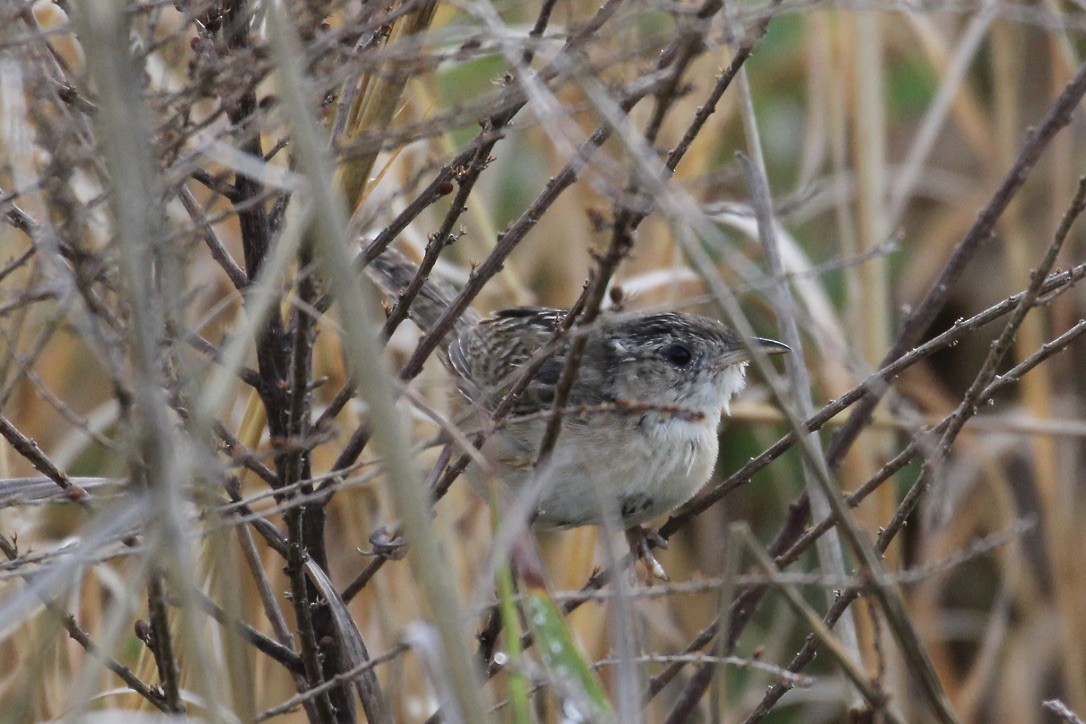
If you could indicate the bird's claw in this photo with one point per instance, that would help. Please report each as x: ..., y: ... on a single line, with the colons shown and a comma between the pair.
x: 642, y: 540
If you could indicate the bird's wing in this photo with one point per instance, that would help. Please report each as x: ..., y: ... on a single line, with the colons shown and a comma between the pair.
x: 488, y: 357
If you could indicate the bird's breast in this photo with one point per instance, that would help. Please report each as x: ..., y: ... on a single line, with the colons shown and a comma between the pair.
x: 641, y: 469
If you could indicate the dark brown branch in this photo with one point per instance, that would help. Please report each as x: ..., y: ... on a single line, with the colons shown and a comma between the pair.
x: 214, y: 244
x: 160, y: 641
x: 277, y: 651
x: 974, y: 397
x: 465, y: 170
x: 1055, y: 284
x: 81, y: 637
x: 249, y: 376
x: 924, y: 313
x: 41, y: 462
x: 241, y: 454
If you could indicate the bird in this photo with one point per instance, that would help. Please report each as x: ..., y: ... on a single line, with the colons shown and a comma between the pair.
x: 639, y: 431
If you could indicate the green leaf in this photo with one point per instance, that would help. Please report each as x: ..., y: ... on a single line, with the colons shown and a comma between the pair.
x: 561, y: 657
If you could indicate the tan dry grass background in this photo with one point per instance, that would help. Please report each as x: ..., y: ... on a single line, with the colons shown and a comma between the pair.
x: 886, y: 128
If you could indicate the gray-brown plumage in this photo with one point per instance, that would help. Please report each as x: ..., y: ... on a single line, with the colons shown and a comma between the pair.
x: 650, y: 392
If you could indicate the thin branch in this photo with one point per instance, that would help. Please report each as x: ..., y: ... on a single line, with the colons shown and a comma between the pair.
x: 41, y: 462
x: 340, y: 679
x: 1055, y: 284
x: 924, y: 313
x: 19, y: 219
x: 974, y: 397
x: 249, y: 376
x: 84, y: 640
x: 214, y: 244
x: 983, y: 379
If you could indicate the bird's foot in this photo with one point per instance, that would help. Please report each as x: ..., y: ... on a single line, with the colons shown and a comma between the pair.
x: 642, y: 540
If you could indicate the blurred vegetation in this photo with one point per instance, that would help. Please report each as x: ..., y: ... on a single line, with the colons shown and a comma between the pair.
x: 156, y: 490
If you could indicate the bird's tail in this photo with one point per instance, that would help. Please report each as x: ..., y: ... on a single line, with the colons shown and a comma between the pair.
x: 393, y: 272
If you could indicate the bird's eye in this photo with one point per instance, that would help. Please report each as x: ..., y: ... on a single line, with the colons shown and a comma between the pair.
x: 678, y: 355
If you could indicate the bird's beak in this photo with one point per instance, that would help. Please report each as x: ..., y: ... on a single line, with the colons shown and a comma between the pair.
x: 770, y: 346
x: 743, y: 354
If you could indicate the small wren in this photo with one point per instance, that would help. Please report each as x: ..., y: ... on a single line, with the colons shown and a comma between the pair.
x: 640, y: 438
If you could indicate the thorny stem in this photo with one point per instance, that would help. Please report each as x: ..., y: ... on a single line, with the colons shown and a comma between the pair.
x: 34, y: 454
x: 971, y: 400
x: 621, y: 244
x: 627, y: 220
x: 82, y: 638
x: 795, y: 538
x: 984, y: 385
x: 283, y: 364
x: 465, y: 169
x: 161, y: 642
x: 922, y: 316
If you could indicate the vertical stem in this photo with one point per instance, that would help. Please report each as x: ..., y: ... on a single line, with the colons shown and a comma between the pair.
x: 124, y: 130
x: 830, y: 552
x: 162, y: 642
x: 303, y: 612
x: 1058, y: 530
x: 871, y: 287
x: 331, y: 240
x: 284, y: 362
